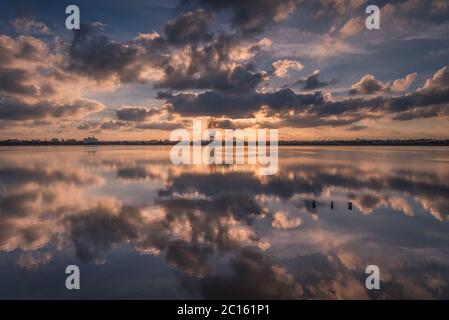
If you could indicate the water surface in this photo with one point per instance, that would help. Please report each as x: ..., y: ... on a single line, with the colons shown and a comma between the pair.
x: 140, y: 227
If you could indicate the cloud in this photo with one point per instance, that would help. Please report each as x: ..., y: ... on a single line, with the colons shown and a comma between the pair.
x: 164, y: 125
x: 100, y: 58
x: 13, y: 81
x: 368, y: 84
x: 284, y: 107
x: 21, y: 49
x: 439, y: 6
x: 357, y: 128
x: 402, y: 85
x: 189, y: 27
x: 210, y: 70
x: 338, y: 7
x: 250, y: 17
x: 281, y: 68
x: 311, y: 82
x: 351, y: 28
x: 136, y: 113
x: 439, y: 80
x: 209, y: 67
x: 114, y: 125
x: 34, y: 86
x: 231, y: 79
x: 188, y: 56
x: 430, y: 101
x: 27, y: 25
x: 212, y: 103
x: 136, y: 119
x: 17, y: 110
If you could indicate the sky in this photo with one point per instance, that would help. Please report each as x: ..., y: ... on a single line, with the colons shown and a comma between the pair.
x: 140, y: 69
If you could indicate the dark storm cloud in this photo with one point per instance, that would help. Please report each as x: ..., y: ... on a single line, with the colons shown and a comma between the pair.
x: 189, y: 27
x: 209, y: 67
x: 312, y: 110
x: 250, y: 16
x: 430, y: 101
x: 348, y: 106
x: 161, y: 125
x: 13, y: 81
x: 190, y: 56
x: 206, y: 62
x: 135, y: 113
x: 416, y: 114
x: 97, y: 126
x: 334, y: 9
x: 420, y: 99
x: 237, y: 80
x: 312, y: 120
x: 223, y: 124
x: 312, y: 81
x: 11, y: 109
x: 98, y: 57
x: 423, y: 103
x: 211, y: 103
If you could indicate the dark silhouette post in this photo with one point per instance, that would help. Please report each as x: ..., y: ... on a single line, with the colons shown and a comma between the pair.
x: 350, y: 206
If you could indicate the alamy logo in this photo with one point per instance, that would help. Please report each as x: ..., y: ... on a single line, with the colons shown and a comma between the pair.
x: 72, y: 282
x: 373, y: 280
x: 372, y: 22
x: 211, y: 146
x: 73, y: 20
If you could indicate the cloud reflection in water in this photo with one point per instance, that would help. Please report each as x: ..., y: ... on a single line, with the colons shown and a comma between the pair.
x: 224, y: 231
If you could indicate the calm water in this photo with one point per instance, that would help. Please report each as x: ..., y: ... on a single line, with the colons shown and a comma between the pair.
x: 139, y: 227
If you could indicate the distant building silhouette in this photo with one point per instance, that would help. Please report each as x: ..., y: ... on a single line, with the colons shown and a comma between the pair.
x: 90, y: 140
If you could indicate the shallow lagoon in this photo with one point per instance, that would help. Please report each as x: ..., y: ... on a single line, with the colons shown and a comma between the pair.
x: 140, y: 227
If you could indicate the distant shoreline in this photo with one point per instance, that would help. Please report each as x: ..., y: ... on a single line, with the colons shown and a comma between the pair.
x: 360, y: 142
